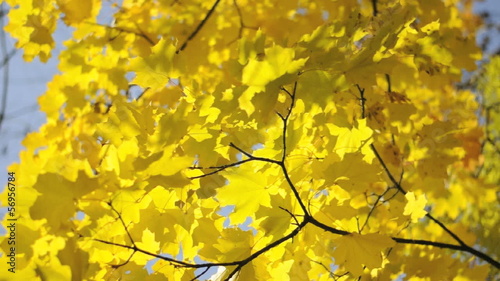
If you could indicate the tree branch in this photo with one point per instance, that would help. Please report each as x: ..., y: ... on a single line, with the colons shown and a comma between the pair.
x: 120, y: 29
x: 374, y: 6
x: 242, y: 23
x: 362, y: 100
x: 265, y: 249
x: 198, y: 28
x: 285, y: 118
x: 462, y: 246
x: 307, y: 218
x: 110, y: 204
x: 239, y: 264
x: 218, y: 168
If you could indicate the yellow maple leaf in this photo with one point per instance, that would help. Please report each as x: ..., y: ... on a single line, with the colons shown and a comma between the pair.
x: 355, y: 251
x: 351, y: 140
x: 148, y: 242
x: 415, y: 206
x: 155, y: 70
x: 77, y: 11
x: 260, y: 71
x: 247, y: 190
x: 277, y: 62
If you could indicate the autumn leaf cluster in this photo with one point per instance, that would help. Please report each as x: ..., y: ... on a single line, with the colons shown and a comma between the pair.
x: 264, y: 140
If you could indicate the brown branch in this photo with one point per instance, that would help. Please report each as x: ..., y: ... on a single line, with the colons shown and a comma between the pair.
x: 241, y: 150
x: 462, y: 246
x: 372, y: 209
x: 285, y: 174
x: 110, y: 204
x: 239, y: 264
x: 326, y: 227
x: 217, y: 168
x: 120, y: 29
x: 201, y: 274
x: 125, y: 262
x: 265, y: 249
x: 294, y: 190
x: 171, y: 260
x: 292, y: 215
x: 388, y: 79
x: 374, y: 6
x: 400, y: 188
x: 198, y: 28
x: 362, y: 100
x: 242, y: 24
x: 386, y: 169
x: 287, y: 117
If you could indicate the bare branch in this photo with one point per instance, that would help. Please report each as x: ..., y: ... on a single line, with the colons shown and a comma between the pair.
x: 217, y: 168
x: 201, y: 274
x: 374, y: 6
x: 292, y: 215
x: 285, y: 119
x: 267, y: 248
x: 139, y: 33
x: 125, y: 262
x: 362, y: 100
x: 110, y: 204
x: 242, y: 23
x: 198, y: 28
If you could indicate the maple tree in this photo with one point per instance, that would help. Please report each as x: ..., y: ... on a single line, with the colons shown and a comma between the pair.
x: 264, y: 140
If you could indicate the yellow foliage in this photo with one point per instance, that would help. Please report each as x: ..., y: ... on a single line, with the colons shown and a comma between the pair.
x: 272, y: 140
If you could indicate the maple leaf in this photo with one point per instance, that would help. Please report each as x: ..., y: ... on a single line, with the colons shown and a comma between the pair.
x: 355, y: 251
x: 259, y: 72
x: 415, y: 206
x: 77, y: 11
x: 352, y: 140
x: 155, y: 70
x: 247, y: 192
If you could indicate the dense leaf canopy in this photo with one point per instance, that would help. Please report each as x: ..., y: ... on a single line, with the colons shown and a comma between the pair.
x: 258, y: 140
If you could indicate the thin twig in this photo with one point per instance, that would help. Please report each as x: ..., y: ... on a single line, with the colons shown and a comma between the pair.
x: 8, y: 57
x: 292, y: 215
x: 242, y: 24
x: 362, y: 100
x: 287, y: 117
x: 115, y: 266
x: 388, y: 79
x: 265, y: 249
x: 217, y: 168
x: 198, y: 28
x: 201, y: 274
x: 120, y: 29
x: 374, y: 6
x: 110, y: 204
